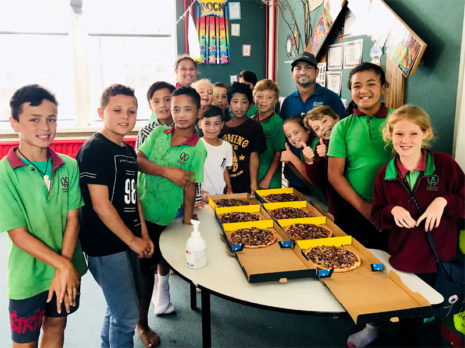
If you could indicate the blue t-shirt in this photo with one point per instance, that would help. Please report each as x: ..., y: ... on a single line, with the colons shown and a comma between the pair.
x: 293, y: 105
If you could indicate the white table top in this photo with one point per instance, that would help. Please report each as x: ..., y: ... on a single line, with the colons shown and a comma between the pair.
x: 223, y: 273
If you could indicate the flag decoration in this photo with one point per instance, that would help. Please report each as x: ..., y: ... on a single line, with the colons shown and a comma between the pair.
x: 212, y: 27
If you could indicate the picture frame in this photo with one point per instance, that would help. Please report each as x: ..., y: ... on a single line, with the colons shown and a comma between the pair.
x: 234, y: 10
x: 235, y: 29
x: 246, y: 50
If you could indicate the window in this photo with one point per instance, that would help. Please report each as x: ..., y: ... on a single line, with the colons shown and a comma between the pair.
x: 76, y: 54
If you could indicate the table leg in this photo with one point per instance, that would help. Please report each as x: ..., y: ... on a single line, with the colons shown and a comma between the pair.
x: 206, y: 320
x: 193, y: 292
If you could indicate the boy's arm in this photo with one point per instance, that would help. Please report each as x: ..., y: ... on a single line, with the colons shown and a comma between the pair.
x: 265, y: 182
x: 253, y: 169
x: 110, y: 217
x: 227, y: 180
x: 70, y: 236
x: 65, y: 279
x: 337, y: 179
x: 177, y: 175
x: 144, y: 230
x: 189, y: 200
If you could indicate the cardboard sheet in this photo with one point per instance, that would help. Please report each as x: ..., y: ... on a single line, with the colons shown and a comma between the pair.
x: 368, y: 295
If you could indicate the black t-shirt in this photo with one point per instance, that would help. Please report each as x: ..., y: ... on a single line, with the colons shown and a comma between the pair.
x: 245, y: 139
x: 102, y: 162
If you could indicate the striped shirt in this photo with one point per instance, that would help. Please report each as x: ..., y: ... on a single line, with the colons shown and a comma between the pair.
x: 145, y: 132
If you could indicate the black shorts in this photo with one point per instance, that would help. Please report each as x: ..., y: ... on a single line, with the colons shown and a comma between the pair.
x: 26, y: 316
x: 154, y: 234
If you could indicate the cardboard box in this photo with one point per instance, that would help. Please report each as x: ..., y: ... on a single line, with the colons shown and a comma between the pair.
x: 258, y: 209
x: 278, y: 262
x: 368, y: 293
x: 317, y: 220
x: 212, y: 199
x: 261, y: 193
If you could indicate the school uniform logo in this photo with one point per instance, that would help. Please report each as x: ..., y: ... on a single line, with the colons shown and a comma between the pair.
x: 64, y: 183
x: 183, y: 157
x: 433, y: 182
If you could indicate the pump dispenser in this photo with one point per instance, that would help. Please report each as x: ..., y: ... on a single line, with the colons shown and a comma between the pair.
x: 196, y: 253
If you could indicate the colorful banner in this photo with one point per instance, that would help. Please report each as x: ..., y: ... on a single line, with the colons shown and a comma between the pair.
x: 212, y: 7
x: 213, y: 32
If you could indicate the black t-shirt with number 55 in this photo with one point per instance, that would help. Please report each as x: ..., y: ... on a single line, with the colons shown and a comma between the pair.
x: 102, y: 162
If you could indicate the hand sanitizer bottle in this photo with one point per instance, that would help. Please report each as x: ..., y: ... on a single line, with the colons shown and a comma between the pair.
x: 196, y: 254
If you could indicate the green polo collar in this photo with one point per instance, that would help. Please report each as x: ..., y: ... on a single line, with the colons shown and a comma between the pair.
x: 391, y: 169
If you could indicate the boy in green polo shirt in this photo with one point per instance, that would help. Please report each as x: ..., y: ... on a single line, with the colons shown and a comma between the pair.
x: 266, y: 94
x: 170, y: 162
x: 39, y: 208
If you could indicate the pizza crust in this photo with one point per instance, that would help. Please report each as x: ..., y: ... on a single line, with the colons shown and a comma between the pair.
x: 307, y: 231
x: 319, y: 256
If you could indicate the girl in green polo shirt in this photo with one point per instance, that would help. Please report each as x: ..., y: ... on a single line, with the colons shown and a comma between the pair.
x: 357, y: 151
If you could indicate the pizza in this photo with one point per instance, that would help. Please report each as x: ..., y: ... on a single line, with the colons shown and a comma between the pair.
x: 281, y: 197
x: 338, y: 259
x: 238, y: 216
x: 307, y: 231
x: 231, y: 202
x: 289, y: 213
x: 253, y: 237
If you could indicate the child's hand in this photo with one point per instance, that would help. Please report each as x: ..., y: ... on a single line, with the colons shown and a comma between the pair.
x: 179, y: 176
x: 321, y: 149
x: 402, y: 217
x: 433, y: 214
x: 264, y: 184
x: 149, y: 253
x: 365, y: 210
x: 253, y: 188
x: 140, y: 246
x: 64, y: 284
x: 287, y: 155
x: 308, y: 153
x: 187, y: 219
x: 204, y: 196
x: 229, y: 190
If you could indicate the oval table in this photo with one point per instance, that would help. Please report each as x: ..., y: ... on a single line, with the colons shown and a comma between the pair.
x: 223, y: 277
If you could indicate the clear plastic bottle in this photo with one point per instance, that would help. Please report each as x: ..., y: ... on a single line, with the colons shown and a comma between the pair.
x: 196, y: 251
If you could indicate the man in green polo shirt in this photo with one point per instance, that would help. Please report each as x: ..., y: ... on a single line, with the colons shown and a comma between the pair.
x: 39, y: 209
x: 170, y: 161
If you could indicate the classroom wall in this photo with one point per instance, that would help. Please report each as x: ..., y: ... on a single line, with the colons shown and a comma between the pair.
x: 252, y: 31
x: 434, y: 84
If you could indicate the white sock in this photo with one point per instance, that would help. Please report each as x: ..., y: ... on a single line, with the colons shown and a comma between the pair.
x: 155, y: 290
x: 163, y: 304
x: 363, y: 337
